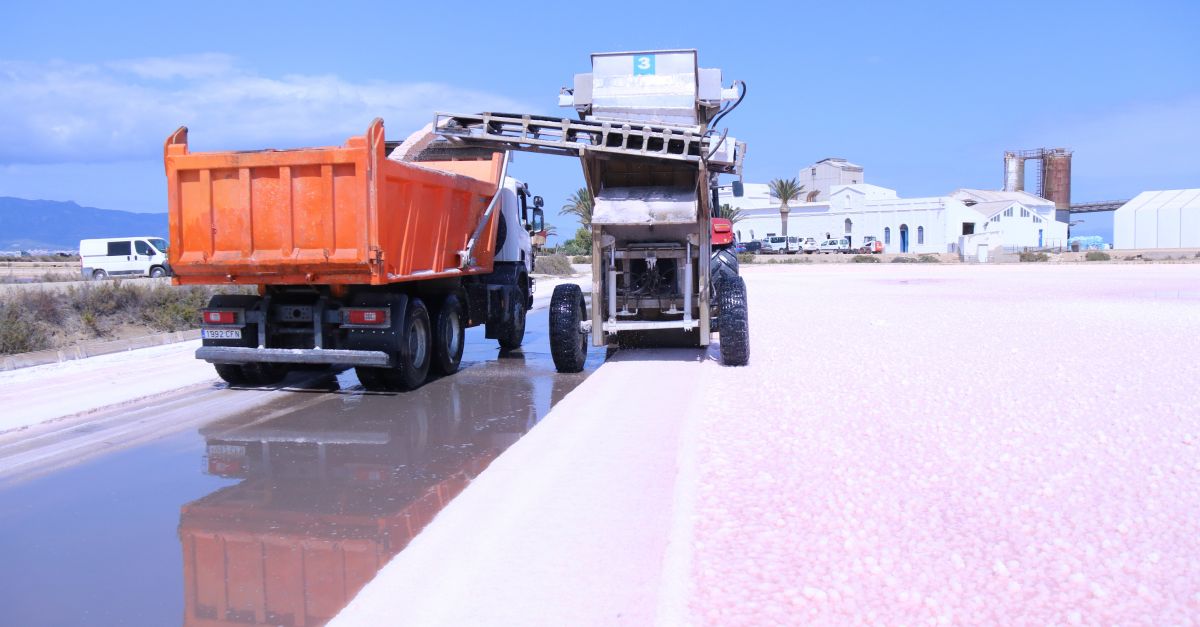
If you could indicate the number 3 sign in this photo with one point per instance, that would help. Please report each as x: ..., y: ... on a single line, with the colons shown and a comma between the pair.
x: 643, y: 64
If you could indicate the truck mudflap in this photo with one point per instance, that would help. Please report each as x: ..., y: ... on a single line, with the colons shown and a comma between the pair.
x: 244, y: 355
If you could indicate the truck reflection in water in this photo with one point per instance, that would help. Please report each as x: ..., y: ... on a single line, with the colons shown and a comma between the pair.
x: 331, y: 492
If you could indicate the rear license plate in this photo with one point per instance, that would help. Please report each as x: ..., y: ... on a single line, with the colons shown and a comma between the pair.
x: 227, y: 450
x: 221, y: 334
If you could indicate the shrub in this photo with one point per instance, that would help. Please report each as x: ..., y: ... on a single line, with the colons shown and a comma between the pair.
x: 581, y: 259
x: 929, y: 259
x: 20, y: 332
x: 1095, y: 255
x: 901, y: 259
x: 559, y: 265
x: 865, y: 259
x: 746, y: 258
x: 35, y: 319
x: 1034, y: 257
x: 165, y: 308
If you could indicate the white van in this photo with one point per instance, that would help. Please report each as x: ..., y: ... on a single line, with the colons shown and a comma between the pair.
x: 124, y: 256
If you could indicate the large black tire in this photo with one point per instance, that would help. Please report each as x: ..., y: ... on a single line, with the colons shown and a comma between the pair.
x: 568, y: 344
x: 449, y: 334
x: 260, y: 373
x: 722, y: 265
x: 99, y: 275
x: 514, y: 331
x: 231, y: 373
x: 413, y: 357
x: 734, y: 322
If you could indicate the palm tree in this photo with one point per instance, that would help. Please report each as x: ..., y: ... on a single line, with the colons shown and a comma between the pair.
x: 786, y: 191
x: 580, y: 205
x: 729, y: 212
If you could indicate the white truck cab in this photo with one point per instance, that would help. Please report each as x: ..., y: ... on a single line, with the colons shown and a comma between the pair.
x: 123, y: 256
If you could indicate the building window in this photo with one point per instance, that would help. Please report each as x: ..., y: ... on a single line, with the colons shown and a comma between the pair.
x: 1008, y: 212
x: 1037, y: 220
x: 887, y: 235
x: 739, y: 234
x: 814, y: 171
x: 1024, y: 212
x: 996, y: 218
x: 849, y: 226
x: 751, y: 233
x: 920, y: 235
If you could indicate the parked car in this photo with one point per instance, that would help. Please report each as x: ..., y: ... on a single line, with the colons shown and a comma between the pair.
x: 123, y: 256
x: 752, y: 246
x: 835, y: 246
x: 809, y: 245
x: 780, y: 244
x: 871, y: 245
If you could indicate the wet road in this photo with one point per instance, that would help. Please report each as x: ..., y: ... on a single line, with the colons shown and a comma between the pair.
x: 221, y: 506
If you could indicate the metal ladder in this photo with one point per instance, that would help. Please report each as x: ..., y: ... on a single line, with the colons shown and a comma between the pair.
x: 563, y: 136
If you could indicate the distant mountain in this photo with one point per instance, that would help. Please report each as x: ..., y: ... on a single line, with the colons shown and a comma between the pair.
x: 53, y: 225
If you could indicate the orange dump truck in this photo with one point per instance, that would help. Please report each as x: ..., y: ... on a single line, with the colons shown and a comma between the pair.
x: 360, y: 258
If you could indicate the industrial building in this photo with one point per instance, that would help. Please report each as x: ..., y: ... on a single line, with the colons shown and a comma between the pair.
x: 820, y: 178
x: 1161, y: 219
x: 958, y: 222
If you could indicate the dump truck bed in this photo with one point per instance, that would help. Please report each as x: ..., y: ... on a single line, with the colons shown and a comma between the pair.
x: 332, y: 215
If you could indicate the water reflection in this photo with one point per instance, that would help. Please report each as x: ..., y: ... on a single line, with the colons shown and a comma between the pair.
x: 330, y: 492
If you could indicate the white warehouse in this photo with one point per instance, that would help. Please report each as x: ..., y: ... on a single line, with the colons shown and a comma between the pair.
x: 1162, y: 219
x: 937, y: 224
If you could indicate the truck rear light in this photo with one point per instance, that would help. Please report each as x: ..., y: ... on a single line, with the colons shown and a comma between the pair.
x: 721, y: 227
x: 215, y: 316
x: 366, y: 317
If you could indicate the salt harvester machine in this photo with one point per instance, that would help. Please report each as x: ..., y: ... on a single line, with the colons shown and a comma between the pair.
x: 651, y: 155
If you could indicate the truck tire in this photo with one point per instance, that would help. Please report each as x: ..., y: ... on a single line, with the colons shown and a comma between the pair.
x: 724, y: 264
x: 734, y: 324
x: 261, y: 373
x: 448, y: 336
x: 414, y: 355
x: 231, y: 373
x: 514, y: 331
x: 568, y: 344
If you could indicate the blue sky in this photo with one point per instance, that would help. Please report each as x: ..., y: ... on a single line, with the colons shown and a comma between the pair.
x: 925, y: 95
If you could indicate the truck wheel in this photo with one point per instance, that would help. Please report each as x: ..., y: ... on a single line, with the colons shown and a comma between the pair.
x: 514, y: 332
x: 415, y: 354
x: 99, y: 275
x: 724, y: 264
x: 734, y: 323
x: 157, y: 272
x: 261, y: 373
x: 448, y: 336
x: 568, y: 343
x: 231, y: 373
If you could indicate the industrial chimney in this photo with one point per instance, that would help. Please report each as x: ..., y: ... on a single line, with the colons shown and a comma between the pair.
x: 1056, y: 179
x: 1054, y: 176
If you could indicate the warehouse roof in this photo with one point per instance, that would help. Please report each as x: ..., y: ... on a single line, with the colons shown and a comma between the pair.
x: 991, y: 208
x: 1166, y: 199
x: 988, y: 195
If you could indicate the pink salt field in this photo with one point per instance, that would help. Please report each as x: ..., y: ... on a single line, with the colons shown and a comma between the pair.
x: 910, y: 444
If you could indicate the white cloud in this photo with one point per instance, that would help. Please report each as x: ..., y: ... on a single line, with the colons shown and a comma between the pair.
x: 184, y: 66
x: 122, y: 110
